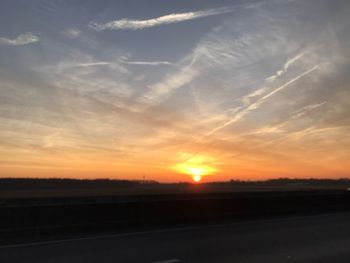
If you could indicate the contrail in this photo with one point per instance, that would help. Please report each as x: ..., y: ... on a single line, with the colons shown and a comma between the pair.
x: 256, y: 105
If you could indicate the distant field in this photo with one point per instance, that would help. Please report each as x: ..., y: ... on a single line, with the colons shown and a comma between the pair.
x: 41, y: 188
x: 147, y: 191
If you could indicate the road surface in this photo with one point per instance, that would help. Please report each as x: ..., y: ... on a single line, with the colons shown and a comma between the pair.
x: 320, y: 238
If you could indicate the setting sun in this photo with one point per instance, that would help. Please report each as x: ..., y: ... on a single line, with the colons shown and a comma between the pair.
x: 196, y: 166
x: 196, y: 178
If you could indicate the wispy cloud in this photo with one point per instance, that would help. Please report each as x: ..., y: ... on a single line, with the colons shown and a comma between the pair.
x: 272, y: 78
x: 20, y: 40
x: 257, y: 104
x: 170, y: 83
x: 110, y: 63
x: 280, y: 126
x: 303, y: 111
x: 290, y: 62
x: 148, y: 63
x: 71, y: 33
x: 162, y: 20
x: 93, y: 64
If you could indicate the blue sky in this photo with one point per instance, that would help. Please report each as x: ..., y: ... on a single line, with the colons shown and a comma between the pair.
x: 254, y: 87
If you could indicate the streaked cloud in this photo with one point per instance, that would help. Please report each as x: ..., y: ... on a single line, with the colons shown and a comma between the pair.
x: 290, y: 62
x: 85, y: 65
x: 260, y: 101
x: 170, y: 83
x: 23, y: 39
x: 308, y: 108
x: 162, y: 20
x: 93, y: 64
x: 148, y: 63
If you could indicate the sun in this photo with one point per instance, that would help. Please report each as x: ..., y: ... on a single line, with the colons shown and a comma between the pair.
x: 196, y: 172
x: 197, y: 178
x: 196, y: 166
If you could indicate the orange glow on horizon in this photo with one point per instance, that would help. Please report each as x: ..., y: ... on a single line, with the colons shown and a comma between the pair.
x: 180, y: 166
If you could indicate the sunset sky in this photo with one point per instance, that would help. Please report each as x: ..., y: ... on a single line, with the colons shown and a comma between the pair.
x: 168, y: 90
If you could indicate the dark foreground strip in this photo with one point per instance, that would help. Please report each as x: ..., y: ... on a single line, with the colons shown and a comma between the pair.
x: 40, y: 222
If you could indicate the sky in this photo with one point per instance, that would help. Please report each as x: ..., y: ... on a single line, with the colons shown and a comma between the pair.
x: 170, y: 90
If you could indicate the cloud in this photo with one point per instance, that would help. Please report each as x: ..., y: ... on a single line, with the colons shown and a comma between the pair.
x: 263, y: 99
x: 23, y: 39
x: 90, y: 65
x: 229, y: 62
x: 148, y: 63
x: 162, y: 20
x: 217, y: 50
x: 290, y: 62
x: 303, y: 111
x: 71, y: 33
x: 93, y: 64
x: 114, y: 64
x: 170, y: 83
x: 246, y: 99
x: 279, y: 127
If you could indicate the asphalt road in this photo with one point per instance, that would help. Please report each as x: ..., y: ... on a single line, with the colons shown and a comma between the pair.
x: 321, y: 238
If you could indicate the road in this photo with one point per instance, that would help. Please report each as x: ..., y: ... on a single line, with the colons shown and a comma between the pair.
x: 318, y: 238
